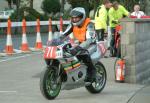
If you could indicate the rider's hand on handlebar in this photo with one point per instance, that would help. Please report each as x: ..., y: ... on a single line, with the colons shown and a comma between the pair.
x: 76, y: 43
x: 75, y: 50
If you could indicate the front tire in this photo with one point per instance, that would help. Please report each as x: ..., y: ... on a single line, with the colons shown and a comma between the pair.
x: 50, y: 85
x: 101, y: 77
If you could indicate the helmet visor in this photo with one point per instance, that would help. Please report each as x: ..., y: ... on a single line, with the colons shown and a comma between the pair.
x: 75, y: 13
x: 75, y: 19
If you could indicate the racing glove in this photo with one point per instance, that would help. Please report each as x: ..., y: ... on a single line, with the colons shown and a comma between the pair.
x: 76, y: 50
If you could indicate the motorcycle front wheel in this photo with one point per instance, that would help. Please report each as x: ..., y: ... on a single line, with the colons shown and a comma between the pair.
x: 101, y: 77
x: 50, y: 85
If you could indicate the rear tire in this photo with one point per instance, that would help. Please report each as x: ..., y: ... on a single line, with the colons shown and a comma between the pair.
x: 101, y: 77
x: 50, y: 85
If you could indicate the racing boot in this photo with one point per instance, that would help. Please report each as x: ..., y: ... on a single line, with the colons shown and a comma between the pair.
x: 91, y: 76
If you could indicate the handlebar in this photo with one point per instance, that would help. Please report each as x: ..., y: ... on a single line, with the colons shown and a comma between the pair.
x: 66, y: 48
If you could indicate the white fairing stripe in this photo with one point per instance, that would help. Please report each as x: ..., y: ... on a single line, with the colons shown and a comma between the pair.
x: 49, y: 49
x: 51, y: 52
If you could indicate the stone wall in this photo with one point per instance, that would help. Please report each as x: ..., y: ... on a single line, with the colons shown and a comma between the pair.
x: 135, y: 48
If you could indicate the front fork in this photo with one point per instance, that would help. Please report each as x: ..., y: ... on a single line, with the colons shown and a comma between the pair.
x: 56, y: 66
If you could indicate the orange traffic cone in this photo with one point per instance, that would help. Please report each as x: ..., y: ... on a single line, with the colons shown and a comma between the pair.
x: 61, y: 25
x: 50, y: 30
x: 9, y: 46
x: 24, y: 45
x: 38, y: 45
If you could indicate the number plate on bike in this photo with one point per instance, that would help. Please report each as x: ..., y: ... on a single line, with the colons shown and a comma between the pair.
x: 50, y: 52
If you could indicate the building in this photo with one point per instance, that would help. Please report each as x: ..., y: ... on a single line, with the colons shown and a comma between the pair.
x: 37, y: 5
x: 4, y: 10
x: 3, y: 5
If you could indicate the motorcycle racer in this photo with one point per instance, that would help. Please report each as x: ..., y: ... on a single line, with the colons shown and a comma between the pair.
x: 84, y: 32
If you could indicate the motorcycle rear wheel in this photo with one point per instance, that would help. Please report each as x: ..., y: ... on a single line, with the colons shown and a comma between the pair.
x: 101, y: 77
x: 50, y: 85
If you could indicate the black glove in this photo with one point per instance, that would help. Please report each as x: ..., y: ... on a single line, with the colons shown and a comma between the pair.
x: 76, y: 50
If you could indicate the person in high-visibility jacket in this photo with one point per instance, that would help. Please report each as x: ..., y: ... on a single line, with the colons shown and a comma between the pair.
x: 116, y: 12
x: 101, y: 19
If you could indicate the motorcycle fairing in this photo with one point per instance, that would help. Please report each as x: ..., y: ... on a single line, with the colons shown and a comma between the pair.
x: 71, y: 65
x: 73, y: 79
x: 101, y: 47
x: 100, y: 51
x: 53, y: 52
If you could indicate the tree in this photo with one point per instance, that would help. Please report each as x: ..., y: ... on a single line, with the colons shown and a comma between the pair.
x: 146, y: 5
x: 62, y: 2
x: 31, y: 4
x: 129, y: 4
x: 9, y: 3
x: 95, y: 4
x: 51, y: 6
x: 81, y: 3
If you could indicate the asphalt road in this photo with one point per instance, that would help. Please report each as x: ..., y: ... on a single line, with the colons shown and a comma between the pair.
x: 19, y: 83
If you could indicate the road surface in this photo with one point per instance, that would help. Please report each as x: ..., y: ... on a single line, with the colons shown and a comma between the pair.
x: 19, y: 83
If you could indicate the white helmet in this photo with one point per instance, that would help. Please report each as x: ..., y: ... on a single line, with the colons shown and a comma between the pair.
x: 78, y: 12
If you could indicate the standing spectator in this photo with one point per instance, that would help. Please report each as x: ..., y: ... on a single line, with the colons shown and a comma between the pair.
x: 137, y: 11
x: 116, y: 12
x: 101, y: 19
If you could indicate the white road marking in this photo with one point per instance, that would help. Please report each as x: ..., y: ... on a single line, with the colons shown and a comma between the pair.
x: 8, y: 91
x: 17, y: 51
x: 13, y: 58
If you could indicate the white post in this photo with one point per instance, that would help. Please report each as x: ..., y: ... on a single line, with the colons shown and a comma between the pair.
x: 109, y: 36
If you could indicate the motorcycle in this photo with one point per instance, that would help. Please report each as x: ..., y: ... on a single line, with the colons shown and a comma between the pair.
x: 65, y: 72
